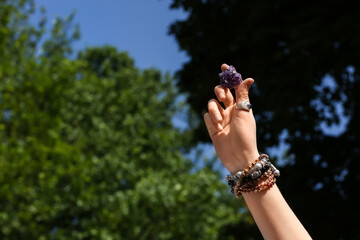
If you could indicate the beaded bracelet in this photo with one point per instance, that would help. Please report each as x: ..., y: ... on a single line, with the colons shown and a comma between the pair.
x: 266, y: 181
x: 249, y: 171
x: 258, y: 176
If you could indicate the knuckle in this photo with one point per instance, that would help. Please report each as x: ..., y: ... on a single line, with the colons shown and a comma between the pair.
x: 244, y: 95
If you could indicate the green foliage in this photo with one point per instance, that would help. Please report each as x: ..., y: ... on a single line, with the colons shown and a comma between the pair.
x: 87, y: 148
x: 304, y: 59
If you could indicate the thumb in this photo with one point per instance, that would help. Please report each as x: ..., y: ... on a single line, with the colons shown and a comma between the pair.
x: 242, y: 91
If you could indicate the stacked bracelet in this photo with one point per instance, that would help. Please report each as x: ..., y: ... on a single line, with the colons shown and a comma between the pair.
x: 259, y: 176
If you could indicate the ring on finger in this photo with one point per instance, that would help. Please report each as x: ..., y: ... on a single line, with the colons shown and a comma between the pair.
x: 245, y: 105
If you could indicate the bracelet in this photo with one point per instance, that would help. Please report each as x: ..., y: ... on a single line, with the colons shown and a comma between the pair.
x: 258, y: 176
x: 263, y: 183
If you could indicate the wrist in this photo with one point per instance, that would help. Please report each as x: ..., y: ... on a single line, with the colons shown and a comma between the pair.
x: 260, y: 175
x: 244, y: 160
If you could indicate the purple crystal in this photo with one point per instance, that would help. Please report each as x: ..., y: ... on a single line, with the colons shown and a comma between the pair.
x: 230, y: 78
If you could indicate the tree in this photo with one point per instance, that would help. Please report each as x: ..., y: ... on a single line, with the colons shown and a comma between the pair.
x: 304, y: 59
x: 88, y: 150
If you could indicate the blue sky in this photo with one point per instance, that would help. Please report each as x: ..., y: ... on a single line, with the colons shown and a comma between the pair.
x: 140, y: 27
x: 137, y: 26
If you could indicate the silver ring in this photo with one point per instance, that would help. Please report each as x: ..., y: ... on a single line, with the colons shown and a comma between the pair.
x: 245, y: 105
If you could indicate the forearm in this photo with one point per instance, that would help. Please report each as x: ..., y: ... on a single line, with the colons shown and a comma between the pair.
x: 233, y: 132
x: 273, y: 216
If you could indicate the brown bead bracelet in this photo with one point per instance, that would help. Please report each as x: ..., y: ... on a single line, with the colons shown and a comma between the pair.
x: 258, y: 176
x: 266, y: 181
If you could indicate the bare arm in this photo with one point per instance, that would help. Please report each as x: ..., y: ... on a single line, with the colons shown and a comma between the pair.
x: 233, y: 133
x: 273, y: 215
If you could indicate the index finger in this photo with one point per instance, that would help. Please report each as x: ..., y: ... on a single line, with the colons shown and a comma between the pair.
x: 224, y: 67
x: 224, y: 95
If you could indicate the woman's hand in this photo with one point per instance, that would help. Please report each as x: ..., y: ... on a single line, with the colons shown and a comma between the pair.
x: 232, y: 131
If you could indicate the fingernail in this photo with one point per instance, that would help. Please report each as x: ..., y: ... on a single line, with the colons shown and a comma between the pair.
x: 218, y: 118
x: 220, y: 127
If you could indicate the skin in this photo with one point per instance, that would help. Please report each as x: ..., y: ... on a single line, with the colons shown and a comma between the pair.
x: 233, y: 133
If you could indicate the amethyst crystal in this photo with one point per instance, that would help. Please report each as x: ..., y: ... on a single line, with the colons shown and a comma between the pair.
x: 230, y: 78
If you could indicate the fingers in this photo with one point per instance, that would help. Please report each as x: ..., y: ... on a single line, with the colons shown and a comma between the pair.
x: 224, y: 95
x: 224, y: 67
x: 242, y: 91
x: 210, y: 125
x: 216, y: 113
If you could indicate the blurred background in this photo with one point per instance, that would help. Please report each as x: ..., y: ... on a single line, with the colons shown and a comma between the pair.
x: 101, y: 109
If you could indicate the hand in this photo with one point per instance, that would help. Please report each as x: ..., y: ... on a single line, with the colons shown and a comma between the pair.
x: 232, y: 131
